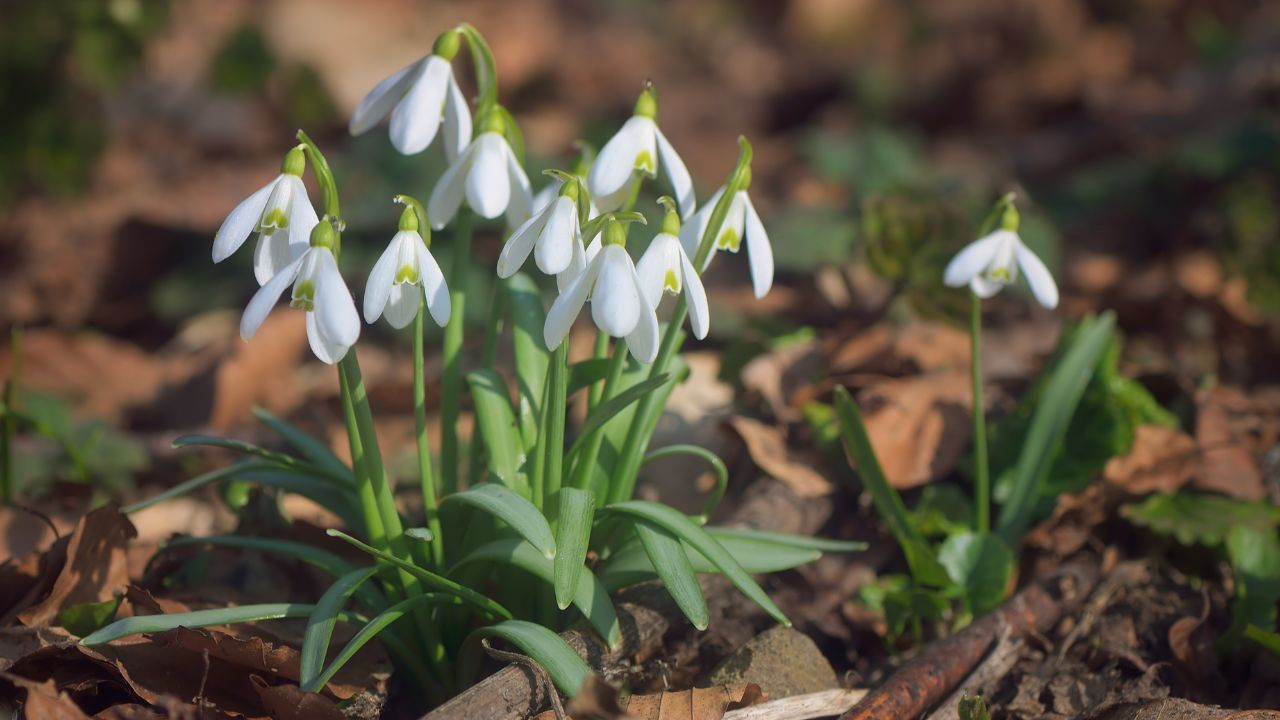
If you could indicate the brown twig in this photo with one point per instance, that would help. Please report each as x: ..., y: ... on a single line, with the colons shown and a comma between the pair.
x: 540, y: 672
x: 994, y: 666
x: 929, y: 678
x: 799, y: 707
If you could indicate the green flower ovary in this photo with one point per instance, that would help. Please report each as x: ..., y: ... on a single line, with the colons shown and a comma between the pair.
x: 304, y: 296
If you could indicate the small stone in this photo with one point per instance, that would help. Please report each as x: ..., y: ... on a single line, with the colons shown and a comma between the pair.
x: 782, y: 661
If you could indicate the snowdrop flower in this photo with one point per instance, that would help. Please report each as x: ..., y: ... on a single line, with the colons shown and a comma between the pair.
x: 618, y: 306
x: 318, y: 288
x: 638, y: 147
x: 418, y: 97
x: 280, y: 212
x: 578, y: 261
x: 666, y: 267
x: 489, y: 175
x: 989, y: 263
x: 550, y: 235
x: 741, y: 223
x: 392, y: 290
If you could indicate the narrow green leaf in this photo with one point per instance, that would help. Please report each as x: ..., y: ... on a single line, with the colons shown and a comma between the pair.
x: 531, y: 356
x: 195, y: 619
x: 342, y: 477
x: 805, y: 542
x: 577, y: 511
x: 667, y: 557
x: 981, y: 563
x: 311, y: 448
x: 496, y: 420
x: 924, y: 566
x: 85, y: 618
x: 1266, y: 638
x: 567, y: 670
x: 1050, y: 422
x: 589, y: 595
x: 682, y: 527
x: 614, y: 405
x: 515, y: 510
x: 320, y: 624
x: 371, y: 630
x: 587, y: 372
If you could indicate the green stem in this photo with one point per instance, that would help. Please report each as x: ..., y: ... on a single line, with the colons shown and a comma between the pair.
x: 982, y: 478
x: 586, y: 463
x: 493, y: 331
x: 373, y: 528
x: 554, y: 411
x: 717, y: 466
x: 451, y: 392
x: 426, y: 474
x: 601, y: 350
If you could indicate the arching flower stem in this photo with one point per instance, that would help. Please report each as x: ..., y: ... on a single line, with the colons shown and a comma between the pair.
x: 450, y: 394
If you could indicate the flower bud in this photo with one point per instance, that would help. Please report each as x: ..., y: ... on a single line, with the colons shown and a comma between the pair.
x: 615, y: 233
x: 323, y: 235
x: 447, y: 44
x: 409, y: 220
x: 295, y: 162
x: 647, y: 104
x: 1011, y: 218
x: 670, y: 221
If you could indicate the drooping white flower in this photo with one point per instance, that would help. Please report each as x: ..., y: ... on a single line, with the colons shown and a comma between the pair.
x: 418, y: 97
x: 578, y: 261
x: 741, y: 223
x: 665, y: 267
x: 618, y: 306
x: 282, y: 215
x: 318, y: 288
x: 393, y: 287
x: 638, y: 147
x: 550, y: 234
x: 989, y: 263
x: 488, y: 174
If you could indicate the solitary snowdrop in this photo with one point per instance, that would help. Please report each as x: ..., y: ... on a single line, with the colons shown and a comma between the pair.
x: 665, y: 267
x: 991, y: 262
x: 318, y: 288
x: 618, y: 304
x: 393, y: 287
x: 280, y: 212
x: 550, y: 235
x: 418, y: 97
x: 741, y: 223
x: 488, y: 174
x: 638, y: 147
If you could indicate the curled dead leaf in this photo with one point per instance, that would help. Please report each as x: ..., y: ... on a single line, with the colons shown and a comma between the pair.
x: 768, y: 448
x: 1162, y: 459
x: 919, y: 426
x: 1229, y: 465
x: 290, y: 702
x: 92, y: 566
x: 695, y: 703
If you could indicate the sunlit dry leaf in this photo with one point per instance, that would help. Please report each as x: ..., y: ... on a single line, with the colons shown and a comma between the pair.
x: 259, y: 373
x: 768, y: 448
x: 1162, y: 459
x: 777, y: 376
x: 290, y: 702
x: 695, y: 703
x: 92, y: 568
x: 1229, y: 466
x: 44, y: 701
x: 919, y: 426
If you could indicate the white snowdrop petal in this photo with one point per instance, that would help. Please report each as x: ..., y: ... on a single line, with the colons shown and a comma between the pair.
x: 378, y: 288
x: 520, y: 205
x: 241, y: 222
x: 517, y: 248
x: 417, y: 117
x: 984, y: 287
x: 616, y: 301
x: 302, y: 217
x: 692, y: 230
x: 643, y: 340
x: 651, y: 270
x: 567, y: 305
x: 402, y: 304
x: 1038, y: 277
x: 434, y: 287
x: 325, y: 348
x: 457, y: 120
x: 759, y: 251
x: 446, y: 196
x: 335, y: 311
x: 972, y: 260
x: 271, y: 254
x: 381, y: 99
x: 577, y: 263
x: 265, y: 299
x: 673, y: 166
x: 554, y: 248
x: 614, y: 166
x: 546, y: 195
x: 696, y: 294
x: 488, y: 187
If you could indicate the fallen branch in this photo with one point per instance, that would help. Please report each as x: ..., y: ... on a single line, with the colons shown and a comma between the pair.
x: 994, y: 666
x: 926, y: 680
x: 800, y: 707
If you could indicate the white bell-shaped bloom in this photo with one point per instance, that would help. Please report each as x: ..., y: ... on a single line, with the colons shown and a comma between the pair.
x: 618, y: 306
x: 318, y: 288
x: 282, y: 215
x: 488, y: 174
x: 550, y: 235
x: 419, y: 97
x: 638, y: 147
x: 742, y: 223
x: 989, y: 263
x: 405, y: 269
x: 578, y: 261
x: 665, y: 267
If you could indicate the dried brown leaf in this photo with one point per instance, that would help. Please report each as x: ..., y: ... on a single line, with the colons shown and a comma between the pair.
x: 1162, y: 459
x: 95, y: 567
x: 45, y: 701
x: 694, y: 704
x: 1229, y: 466
x: 918, y: 426
x: 290, y: 702
x: 769, y: 450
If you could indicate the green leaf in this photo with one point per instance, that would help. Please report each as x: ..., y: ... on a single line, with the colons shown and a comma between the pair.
x: 342, y: 477
x: 503, y: 443
x: 606, y: 410
x: 85, y: 618
x: 531, y: 356
x: 981, y: 564
x: 630, y: 565
x: 320, y: 624
x: 943, y: 510
x: 573, y: 532
x: 754, y: 538
x: 1266, y: 638
x: 924, y: 566
x: 516, y: 511
x: 1049, y: 424
x: 371, y: 630
x: 589, y: 595
x: 682, y: 527
x: 973, y: 707
x: 311, y: 448
x: 196, y: 619
x: 1199, y: 518
x: 567, y: 670
x: 1255, y: 561
x: 668, y: 558
x: 586, y: 372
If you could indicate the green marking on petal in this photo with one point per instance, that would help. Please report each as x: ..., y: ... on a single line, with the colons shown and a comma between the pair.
x: 273, y: 220
x: 729, y: 240
x: 671, y: 283
x: 304, y: 296
x: 644, y: 161
x: 407, y: 274
x: 1001, y: 274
